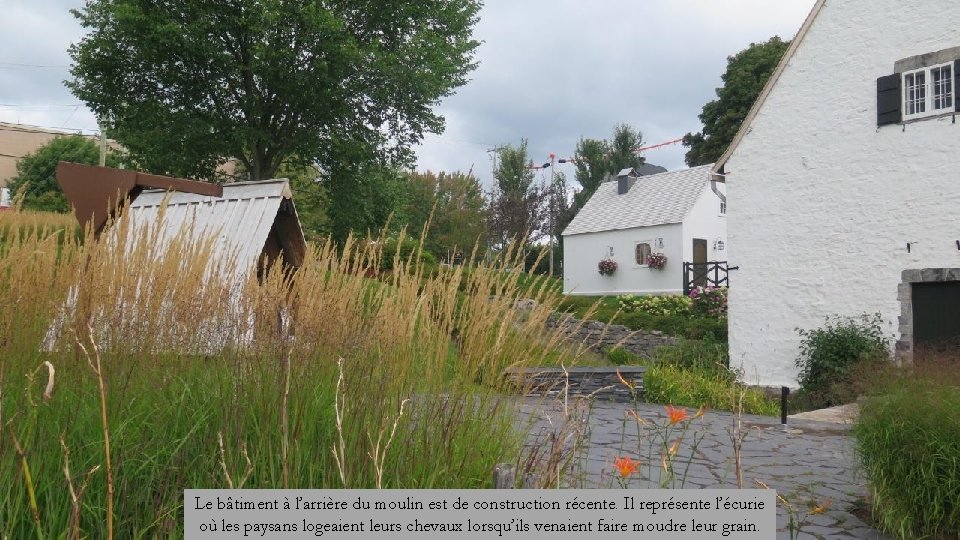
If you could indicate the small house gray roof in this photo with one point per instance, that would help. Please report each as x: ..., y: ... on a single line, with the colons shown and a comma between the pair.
x: 657, y: 199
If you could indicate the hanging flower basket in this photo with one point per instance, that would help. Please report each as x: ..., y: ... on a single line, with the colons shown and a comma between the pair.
x: 656, y: 261
x: 607, y: 267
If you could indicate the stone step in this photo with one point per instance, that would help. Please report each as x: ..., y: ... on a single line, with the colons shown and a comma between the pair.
x: 600, y: 382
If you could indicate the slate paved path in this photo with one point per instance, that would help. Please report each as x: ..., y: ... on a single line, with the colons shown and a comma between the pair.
x: 810, y: 463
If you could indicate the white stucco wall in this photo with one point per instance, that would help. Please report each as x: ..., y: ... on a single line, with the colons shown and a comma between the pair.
x: 705, y: 221
x: 822, y: 202
x: 580, y: 274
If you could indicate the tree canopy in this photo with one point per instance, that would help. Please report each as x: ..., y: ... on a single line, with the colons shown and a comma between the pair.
x: 457, y: 204
x: 598, y: 159
x: 37, y: 171
x: 747, y: 73
x: 516, y: 211
x: 185, y: 85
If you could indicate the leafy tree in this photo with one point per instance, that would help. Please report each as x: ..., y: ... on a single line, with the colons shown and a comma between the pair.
x: 457, y: 205
x: 459, y: 219
x: 419, y: 203
x: 562, y: 213
x: 38, y: 171
x: 596, y: 160
x: 185, y: 85
x: 747, y: 73
x: 310, y: 196
x: 516, y: 210
x: 362, y: 194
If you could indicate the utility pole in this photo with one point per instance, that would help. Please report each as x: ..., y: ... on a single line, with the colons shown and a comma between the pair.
x: 553, y: 191
x: 103, y: 146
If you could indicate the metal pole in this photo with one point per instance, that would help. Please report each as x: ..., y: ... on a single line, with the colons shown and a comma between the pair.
x: 784, y: 393
x: 552, y: 195
x: 103, y: 147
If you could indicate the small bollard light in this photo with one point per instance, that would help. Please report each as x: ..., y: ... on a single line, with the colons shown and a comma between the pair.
x: 784, y: 393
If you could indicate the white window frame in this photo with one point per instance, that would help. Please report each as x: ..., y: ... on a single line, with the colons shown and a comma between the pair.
x: 723, y: 208
x: 927, y: 100
x: 649, y: 244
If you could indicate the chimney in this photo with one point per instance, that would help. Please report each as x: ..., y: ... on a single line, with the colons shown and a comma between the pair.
x: 625, y: 180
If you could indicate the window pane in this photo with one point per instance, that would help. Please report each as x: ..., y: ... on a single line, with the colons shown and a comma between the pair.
x: 942, y: 79
x: 641, y: 253
x: 921, y: 92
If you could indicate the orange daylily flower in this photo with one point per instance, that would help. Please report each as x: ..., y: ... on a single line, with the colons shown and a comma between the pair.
x: 676, y: 414
x: 626, y: 466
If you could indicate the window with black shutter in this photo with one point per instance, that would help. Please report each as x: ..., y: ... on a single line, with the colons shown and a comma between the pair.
x: 888, y: 99
x: 956, y: 85
x: 922, y: 86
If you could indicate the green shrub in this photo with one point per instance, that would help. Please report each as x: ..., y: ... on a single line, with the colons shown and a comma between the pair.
x: 674, y: 385
x: 408, y: 247
x: 665, y: 305
x: 685, y: 326
x: 827, y: 355
x: 908, y: 441
x: 623, y: 357
x: 707, y: 355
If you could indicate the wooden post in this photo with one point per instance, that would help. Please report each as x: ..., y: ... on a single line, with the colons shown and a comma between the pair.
x: 504, y: 476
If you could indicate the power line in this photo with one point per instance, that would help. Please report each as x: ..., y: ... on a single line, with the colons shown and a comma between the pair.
x: 25, y: 128
x: 38, y: 105
x: 16, y: 65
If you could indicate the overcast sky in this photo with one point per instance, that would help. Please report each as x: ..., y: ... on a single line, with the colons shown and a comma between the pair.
x: 551, y: 71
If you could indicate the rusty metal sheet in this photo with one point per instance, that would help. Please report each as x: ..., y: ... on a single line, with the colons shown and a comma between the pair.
x: 97, y: 192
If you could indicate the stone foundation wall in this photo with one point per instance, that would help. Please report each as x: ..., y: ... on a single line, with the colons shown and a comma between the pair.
x: 601, y: 336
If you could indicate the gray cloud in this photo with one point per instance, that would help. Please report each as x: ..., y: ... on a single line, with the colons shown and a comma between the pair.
x: 551, y: 71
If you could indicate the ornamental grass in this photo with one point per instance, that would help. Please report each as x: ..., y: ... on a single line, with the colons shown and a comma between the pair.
x: 169, y: 376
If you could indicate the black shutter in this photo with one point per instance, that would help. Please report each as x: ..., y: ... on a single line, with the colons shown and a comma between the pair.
x: 888, y: 99
x: 956, y: 85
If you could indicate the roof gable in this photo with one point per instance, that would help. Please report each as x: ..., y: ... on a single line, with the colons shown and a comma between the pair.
x: 745, y: 126
x: 656, y: 199
x: 242, y: 220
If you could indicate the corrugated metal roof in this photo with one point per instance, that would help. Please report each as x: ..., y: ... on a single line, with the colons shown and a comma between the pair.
x: 241, y: 219
x: 656, y: 199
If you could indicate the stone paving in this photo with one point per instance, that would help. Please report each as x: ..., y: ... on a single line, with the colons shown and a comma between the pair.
x: 810, y: 463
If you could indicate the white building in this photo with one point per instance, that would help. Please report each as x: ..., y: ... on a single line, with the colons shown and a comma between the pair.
x: 844, y: 187
x: 679, y: 214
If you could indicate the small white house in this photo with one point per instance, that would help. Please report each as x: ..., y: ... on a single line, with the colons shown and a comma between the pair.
x: 844, y: 187
x: 679, y: 214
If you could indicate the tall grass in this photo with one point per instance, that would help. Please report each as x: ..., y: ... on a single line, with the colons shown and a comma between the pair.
x: 908, y: 440
x: 209, y: 383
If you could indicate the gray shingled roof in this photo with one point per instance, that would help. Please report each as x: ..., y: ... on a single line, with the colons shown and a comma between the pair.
x: 653, y: 200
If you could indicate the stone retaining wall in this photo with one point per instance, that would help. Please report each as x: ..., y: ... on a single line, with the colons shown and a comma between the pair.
x: 601, y: 336
x: 584, y: 381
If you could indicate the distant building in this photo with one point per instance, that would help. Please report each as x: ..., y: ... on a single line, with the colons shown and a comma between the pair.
x: 678, y: 214
x: 19, y: 140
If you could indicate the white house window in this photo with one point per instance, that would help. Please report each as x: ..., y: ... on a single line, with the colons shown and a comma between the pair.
x: 942, y: 80
x: 928, y: 91
x: 723, y: 208
x: 641, y: 252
